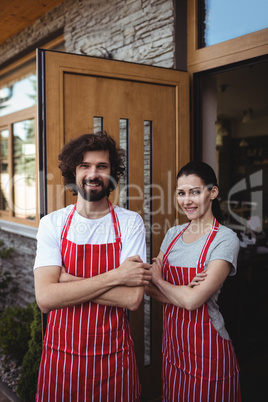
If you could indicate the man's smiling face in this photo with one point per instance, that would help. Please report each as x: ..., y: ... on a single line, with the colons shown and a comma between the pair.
x: 93, y: 175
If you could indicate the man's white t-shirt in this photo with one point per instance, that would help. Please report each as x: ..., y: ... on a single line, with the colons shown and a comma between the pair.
x: 89, y: 231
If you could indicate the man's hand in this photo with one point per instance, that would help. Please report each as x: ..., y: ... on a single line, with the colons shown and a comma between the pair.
x: 65, y: 277
x: 197, y: 279
x: 156, y: 270
x: 134, y: 272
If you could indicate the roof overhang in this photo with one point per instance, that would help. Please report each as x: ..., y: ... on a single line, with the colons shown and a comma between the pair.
x: 16, y: 15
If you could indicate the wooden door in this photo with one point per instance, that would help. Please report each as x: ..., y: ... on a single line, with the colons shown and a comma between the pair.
x: 146, y: 109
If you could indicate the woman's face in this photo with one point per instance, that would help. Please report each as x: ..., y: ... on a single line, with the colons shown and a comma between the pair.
x: 194, y: 198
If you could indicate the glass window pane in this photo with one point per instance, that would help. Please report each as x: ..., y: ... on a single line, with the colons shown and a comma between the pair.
x: 124, y: 179
x: 18, y: 95
x: 4, y: 171
x: 24, y: 154
x: 223, y: 20
x: 98, y: 124
x: 148, y: 130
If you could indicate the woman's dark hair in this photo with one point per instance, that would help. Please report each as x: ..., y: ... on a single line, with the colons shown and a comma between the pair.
x: 72, y: 155
x: 207, y: 174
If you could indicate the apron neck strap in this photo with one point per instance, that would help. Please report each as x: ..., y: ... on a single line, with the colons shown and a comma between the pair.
x: 68, y: 223
x: 114, y: 220
x: 212, y: 234
x: 172, y: 244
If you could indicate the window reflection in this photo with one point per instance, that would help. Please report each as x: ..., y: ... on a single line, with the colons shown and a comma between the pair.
x: 235, y: 123
x: 24, y: 186
x: 4, y: 175
x: 18, y: 95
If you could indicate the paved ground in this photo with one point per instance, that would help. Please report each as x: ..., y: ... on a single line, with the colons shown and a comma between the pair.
x: 6, y: 395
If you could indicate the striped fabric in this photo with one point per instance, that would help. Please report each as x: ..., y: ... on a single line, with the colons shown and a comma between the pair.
x: 88, y: 352
x: 198, y: 364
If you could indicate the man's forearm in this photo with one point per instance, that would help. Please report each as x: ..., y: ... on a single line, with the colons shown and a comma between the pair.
x: 119, y: 296
x: 53, y: 292
x: 122, y: 296
x: 52, y: 295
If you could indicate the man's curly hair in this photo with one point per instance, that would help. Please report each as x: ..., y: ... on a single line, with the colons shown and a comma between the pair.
x: 72, y: 155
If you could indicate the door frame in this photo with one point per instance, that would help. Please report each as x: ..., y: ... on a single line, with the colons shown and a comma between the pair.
x: 56, y: 66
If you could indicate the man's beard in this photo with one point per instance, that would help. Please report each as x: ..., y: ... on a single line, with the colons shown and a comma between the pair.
x: 93, y: 195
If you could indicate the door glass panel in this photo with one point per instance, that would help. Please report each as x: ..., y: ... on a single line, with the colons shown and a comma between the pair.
x: 24, y: 185
x: 124, y: 179
x: 98, y: 124
x: 223, y: 20
x: 148, y: 226
x: 18, y: 95
x: 4, y: 170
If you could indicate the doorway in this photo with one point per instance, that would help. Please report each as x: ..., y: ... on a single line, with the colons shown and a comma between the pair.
x: 234, y: 125
x: 146, y: 110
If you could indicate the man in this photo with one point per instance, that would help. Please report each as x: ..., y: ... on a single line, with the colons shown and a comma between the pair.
x: 90, y: 267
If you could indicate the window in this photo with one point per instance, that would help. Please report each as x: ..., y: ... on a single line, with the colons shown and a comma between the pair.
x: 228, y: 28
x: 223, y: 20
x: 24, y: 169
x: 18, y: 144
x: 18, y: 168
x: 4, y: 175
x: 19, y: 94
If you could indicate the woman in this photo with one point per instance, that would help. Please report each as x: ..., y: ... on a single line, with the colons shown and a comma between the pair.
x: 199, y: 362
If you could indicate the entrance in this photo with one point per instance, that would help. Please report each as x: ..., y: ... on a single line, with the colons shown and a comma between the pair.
x: 235, y: 142
x: 146, y: 110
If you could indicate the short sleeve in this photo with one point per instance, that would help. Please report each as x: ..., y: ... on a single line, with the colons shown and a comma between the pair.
x: 48, y: 250
x: 171, y: 233
x: 165, y: 243
x: 226, y: 248
x: 133, y: 241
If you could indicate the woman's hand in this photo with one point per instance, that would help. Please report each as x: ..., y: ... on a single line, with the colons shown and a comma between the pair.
x: 65, y: 277
x: 200, y: 277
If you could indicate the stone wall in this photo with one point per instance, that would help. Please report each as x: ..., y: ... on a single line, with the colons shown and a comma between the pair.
x: 140, y: 31
x: 20, y: 265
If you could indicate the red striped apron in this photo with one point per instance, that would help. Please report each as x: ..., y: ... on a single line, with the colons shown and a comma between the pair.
x: 88, y: 352
x: 198, y: 364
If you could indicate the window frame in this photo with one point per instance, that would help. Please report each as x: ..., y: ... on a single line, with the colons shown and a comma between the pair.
x: 13, y: 72
x: 6, y: 122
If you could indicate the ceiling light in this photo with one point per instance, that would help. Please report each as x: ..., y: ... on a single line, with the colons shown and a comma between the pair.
x: 243, y: 143
x: 247, y: 115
